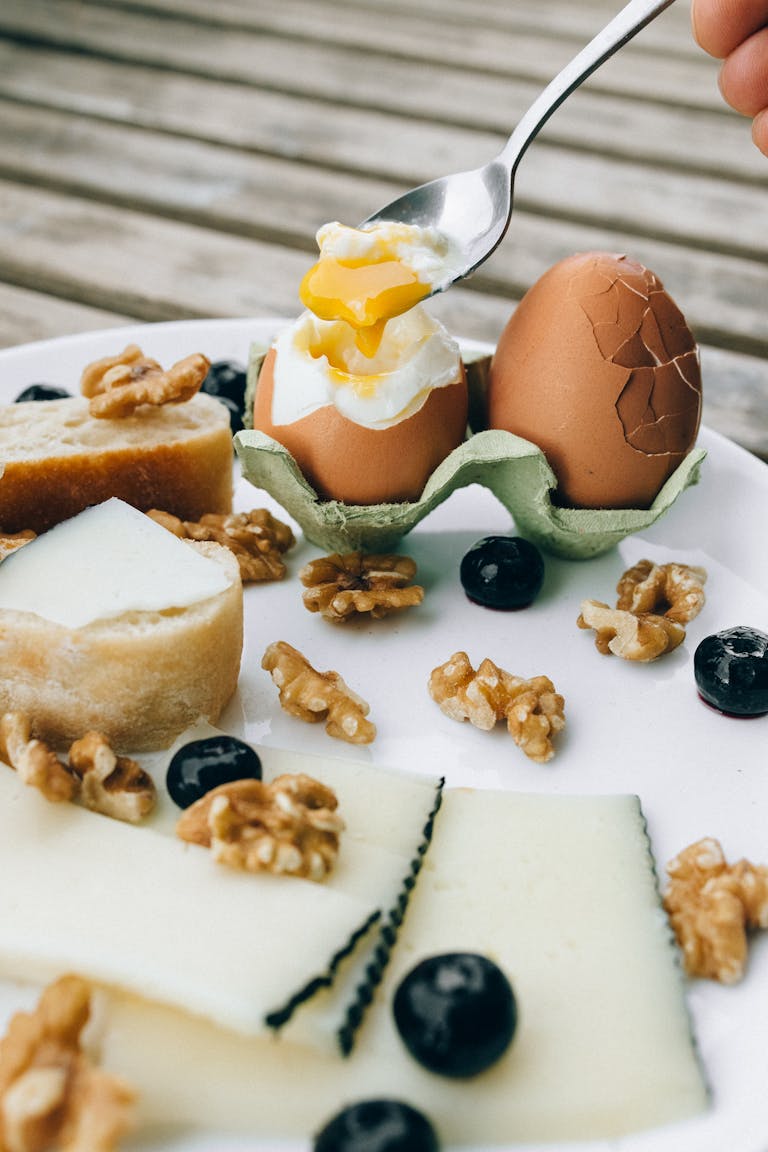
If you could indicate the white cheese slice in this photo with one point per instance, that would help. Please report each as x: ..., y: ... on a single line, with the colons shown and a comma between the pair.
x: 103, y: 563
x: 561, y: 893
x: 137, y: 908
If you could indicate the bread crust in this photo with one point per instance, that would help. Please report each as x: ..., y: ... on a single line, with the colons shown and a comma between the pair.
x: 140, y: 679
x: 57, y: 460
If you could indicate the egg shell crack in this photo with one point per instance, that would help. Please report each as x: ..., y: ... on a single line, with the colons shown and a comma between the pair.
x: 637, y: 326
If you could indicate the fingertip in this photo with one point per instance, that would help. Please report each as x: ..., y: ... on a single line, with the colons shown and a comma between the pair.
x: 743, y: 78
x: 760, y: 131
x: 720, y: 26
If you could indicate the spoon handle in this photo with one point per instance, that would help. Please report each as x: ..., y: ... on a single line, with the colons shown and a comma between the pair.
x: 629, y: 21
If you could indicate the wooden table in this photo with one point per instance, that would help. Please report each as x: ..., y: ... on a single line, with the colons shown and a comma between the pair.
x: 174, y: 160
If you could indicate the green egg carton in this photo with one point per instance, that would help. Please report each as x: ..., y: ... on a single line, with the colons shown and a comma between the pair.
x: 514, y: 469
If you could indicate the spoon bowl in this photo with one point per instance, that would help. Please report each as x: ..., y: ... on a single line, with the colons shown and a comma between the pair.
x: 472, y: 209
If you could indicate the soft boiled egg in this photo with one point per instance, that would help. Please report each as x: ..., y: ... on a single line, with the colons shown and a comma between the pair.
x: 364, y: 430
x: 366, y: 390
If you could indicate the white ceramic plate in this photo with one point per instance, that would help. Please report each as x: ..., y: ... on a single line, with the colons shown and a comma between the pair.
x: 639, y: 729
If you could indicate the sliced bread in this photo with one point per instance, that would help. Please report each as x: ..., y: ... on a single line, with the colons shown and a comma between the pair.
x: 56, y: 459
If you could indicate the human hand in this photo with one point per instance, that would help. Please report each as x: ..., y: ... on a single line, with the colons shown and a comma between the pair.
x: 736, y: 32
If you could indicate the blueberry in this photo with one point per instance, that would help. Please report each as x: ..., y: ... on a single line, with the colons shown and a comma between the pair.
x: 456, y: 1013
x: 235, y: 413
x: 502, y: 572
x: 226, y: 381
x: 201, y: 765
x: 42, y: 392
x: 731, y: 670
x: 377, y: 1126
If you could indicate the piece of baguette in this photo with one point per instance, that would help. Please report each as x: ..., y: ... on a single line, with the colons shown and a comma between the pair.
x: 56, y: 460
x: 140, y: 678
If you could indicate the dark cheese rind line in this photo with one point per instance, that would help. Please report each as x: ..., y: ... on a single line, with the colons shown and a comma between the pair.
x: 387, y: 936
x: 280, y: 1016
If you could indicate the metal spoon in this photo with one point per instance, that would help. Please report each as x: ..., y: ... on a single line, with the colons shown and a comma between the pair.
x: 473, y: 209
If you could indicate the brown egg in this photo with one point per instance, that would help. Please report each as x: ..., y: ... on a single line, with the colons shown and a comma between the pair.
x: 344, y: 461
x: 599, y: 368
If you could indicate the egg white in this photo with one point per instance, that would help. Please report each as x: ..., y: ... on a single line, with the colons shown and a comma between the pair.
x: 415, y: 356
x: 426, y: 251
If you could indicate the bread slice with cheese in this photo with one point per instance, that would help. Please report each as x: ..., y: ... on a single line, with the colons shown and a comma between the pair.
x: 56, y: 459
x: 110, y: 622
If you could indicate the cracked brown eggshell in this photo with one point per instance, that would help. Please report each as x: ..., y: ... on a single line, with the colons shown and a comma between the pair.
x: 598, y: 367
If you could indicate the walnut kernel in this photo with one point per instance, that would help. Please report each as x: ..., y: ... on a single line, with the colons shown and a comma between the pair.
x: 50, y: 1093
x: 340, y: 586
x: 711, y: 906
x: 654, y: 603
x: 36, y: 763
x: 317, y: 696
x: 532, y: 709
x: 633, y: 637
x: 256, y: 538
x: 94, y: 777
x: 289, y: 826
x: 113, y: 785
x: 675, y: 591
x: 117, y: 385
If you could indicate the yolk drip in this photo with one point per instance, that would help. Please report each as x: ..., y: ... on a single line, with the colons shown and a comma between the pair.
x: 334, y: 351
x: 364, y: 295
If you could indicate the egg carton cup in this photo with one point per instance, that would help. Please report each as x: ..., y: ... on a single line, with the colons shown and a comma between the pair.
x: 513, y: 469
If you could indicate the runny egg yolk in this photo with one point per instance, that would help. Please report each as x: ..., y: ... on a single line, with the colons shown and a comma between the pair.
x: 332, y: 345
x: 365, y: 293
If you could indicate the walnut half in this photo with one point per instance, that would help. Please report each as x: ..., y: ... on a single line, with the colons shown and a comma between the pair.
x: 113, y: 785
x: 654, y: 603
x: 117, y: 385
x: 36, y: 763
x: 289, y: 826
x: 633, y: 637
x: 51, y: 1095
x: 256, y: 538
x: 711, y: 906
x: 532, y: 709
x: 317, y: 696
x: 674, y: 591
x: 94, y: 777
x: 340, y: 586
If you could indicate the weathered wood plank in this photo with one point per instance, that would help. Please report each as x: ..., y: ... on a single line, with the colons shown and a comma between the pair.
x: 27, y: 315
x: 273, y: 198
x: 109, y: 257
x: 374, y: 141
x: 736, y: 397
x: 484, y: 35
x: 244, y: 193
x: 345, y: 75
x: 156, y: 269
x: 555, y: 17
